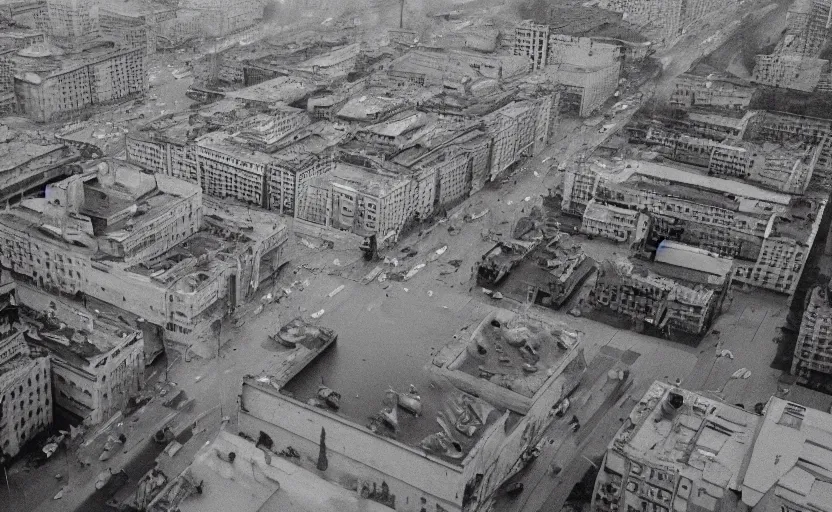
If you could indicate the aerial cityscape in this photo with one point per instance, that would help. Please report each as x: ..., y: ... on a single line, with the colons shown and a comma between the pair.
x: 415, y: 256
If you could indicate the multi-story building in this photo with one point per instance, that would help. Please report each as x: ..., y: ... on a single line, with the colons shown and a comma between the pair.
x: 489, y: 413
x: 769, y: 233
x: 264, y: 130
x: 783, y: 127
x: 26, y: 165
x: 8, y: 102
x: 129, y: 28
x: 166, y: 146
x: 619, y: 224
x: 97, y: 77
x: 73, y: 23
x: 97, y: 364
x: 114, y: 232
x: 790, y: 71
x: 663, y: 22
x: 678, y: 450
x: 659, y: 302
x: 19, y: 39
x: 786, y: 169
x: 585, y: 88
x: 25, y: 390
x: 531, y: 40
x: 232, y: 170
x: 702, y: 86
x: 813, y: 350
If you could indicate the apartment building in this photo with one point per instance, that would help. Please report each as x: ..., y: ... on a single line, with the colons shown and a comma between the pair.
x: 263, y: 130
x: 166, y: 146
x: 644, y: 469
x: 101, y: 77
x: 783, y: 128
x: 97, y: 364
x: 770, y: 234
x: 812, y: 355
x: 129, y: 28
x: 618, y: 224
x: 663, y: 22
x: 702, y: 86
x: 790, y: 71
x: 73, y: 24
x: 19, y: 39
x: 229, y: 170
x: 8, y: 102
x: 585, y: 89
x: 452, y: 169
x: 785, y: 169
x: 531, y: 40
x: 656, y: 302
x: 25, y: 388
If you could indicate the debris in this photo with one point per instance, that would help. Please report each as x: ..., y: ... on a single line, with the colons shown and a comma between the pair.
x: 487, y: 291
x: 726, y: 353
x: 371, y: 275
x: 536, y: 174
x: 336, y: 291
x: 478, y: 215
x: 575, y: 312
x: 382, y: 278
x: 527, y: 199
x: 58, y: 476
x: 198, y: 378
x: 509, y: 203
x: 330, y: 397
x: 336, y: 262
x: 257, y: 310
x: 430, y: 293
x: 307, y: 243
x: 59, y: 495
x: 413, y: 271
x: 497, y: 295
x: 406, y: 289
x: 317, y: 314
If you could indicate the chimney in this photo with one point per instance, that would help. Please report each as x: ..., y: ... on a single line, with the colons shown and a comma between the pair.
x: 670, y: 406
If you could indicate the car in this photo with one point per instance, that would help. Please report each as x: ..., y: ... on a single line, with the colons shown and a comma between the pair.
x: 562, y: 407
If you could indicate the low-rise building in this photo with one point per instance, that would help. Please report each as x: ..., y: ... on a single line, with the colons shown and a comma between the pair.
x: 678, y: 450
x: 25, y: 390
x: 464, y: 435
x: 782, y: 168
x: 790, y: 71
x: 97, y: 364
x: 585, y: 88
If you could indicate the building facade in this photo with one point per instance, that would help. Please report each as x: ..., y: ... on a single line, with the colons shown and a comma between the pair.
x: 25, y: 390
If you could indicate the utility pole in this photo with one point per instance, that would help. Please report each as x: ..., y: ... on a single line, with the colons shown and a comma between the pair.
x: 401, y: 15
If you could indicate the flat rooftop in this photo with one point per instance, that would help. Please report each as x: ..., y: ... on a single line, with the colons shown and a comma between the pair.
x: 370, y: 359
x: 705, y: 439
x: 516, y: 353
x: 283, y: 89
x: 76, y: 346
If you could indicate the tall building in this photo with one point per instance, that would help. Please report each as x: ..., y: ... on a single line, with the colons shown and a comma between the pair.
x: 73, y: 23
x: 812, y: 358
x: 532, y: 40
x: 25, y: 390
